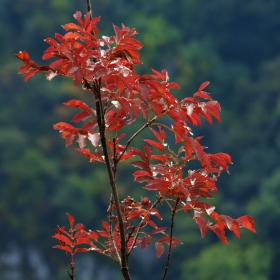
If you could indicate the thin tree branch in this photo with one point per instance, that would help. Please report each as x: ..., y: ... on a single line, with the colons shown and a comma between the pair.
x: 89, y: 8
x: 134, y: 135
x: 170, y: 235
x: 110, y: 208
x: 72, y: 274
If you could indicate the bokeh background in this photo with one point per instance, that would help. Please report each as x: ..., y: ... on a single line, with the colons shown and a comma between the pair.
x: 233, y: 44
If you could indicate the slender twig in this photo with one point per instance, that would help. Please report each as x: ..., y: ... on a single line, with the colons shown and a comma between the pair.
x: 72, y: 274
x: 170, y: 235
x: 134, y: 135
x: 89, y: 8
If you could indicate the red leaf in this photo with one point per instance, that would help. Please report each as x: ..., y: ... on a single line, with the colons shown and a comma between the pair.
x: 51, y: 41
x: 63, y: 238
x: 161, y: 135
x: 158, y: 74
x: 146, y: 241
x: 24, y: 68
x: 23, y: 56
x: 80, y: 117
x: 106, y: 226
x: 173, y: 85
x: 71, y: 26
x: 90, y: 125
x: 103, y: 233
x: 64, y: 248
x: 142, y: 176
x: 136, y: 214
x: 82, y: 140
x: 93, y: 235
x: 153, y: 224
x: 166, y: 239
x: 30, y: 74
x: 228, y: 220
x: 203, y: 85
x: 158, y: 184
x: 94, y: 139
x: 159, y: 248
x: 69, y: 139
x: 131, y: 41
x: 78, y: 104
x: 158, y: 230
x: 155, y: 144
x: 71, y: 220
x: 183, y: 190
x: 202, y: 94
x: 81, y: 250
x: 78, y: 77
x: 155, y: 212
x: 202, y: 225
x: 141, y: 165
x: 220, y: 233
x: 82, y: 240
x: 247, y: 222
x: 78, y: 17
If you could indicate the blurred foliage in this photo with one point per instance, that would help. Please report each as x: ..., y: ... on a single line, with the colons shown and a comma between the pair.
x: 234, y: 44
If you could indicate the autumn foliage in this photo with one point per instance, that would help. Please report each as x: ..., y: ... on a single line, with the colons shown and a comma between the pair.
x: 104, y: 67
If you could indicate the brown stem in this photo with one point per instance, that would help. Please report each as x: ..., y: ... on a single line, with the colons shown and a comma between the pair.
x: 89, y: 8
x: 101, y: 124
x: 170, y: 235
x: 72, y: 274
x: 110, y: 208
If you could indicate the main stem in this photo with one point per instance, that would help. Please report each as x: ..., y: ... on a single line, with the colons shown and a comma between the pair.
x: 101, y: 125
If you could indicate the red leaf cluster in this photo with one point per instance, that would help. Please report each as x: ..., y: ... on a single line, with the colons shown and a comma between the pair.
x: 105, y: 68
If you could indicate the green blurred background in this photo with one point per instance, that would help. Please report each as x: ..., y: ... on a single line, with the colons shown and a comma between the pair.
x: 233, y: 44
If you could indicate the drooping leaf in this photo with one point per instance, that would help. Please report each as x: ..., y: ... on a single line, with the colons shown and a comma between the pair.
x: 159, y: 248
x: 94, y: 139
x: 146, y: 241
x: 247, y: 222
x: 32, y: 72
x: 220, y: 233
x: 202, y: 225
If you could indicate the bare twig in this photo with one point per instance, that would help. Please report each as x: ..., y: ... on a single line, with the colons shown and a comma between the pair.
x: 170, y: 235
x: 89, y: 8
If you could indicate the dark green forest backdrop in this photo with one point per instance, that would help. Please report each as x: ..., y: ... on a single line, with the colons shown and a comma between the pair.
x: 234, y: 44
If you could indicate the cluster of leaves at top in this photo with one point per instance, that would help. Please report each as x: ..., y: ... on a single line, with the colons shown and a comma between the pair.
x: 105, y: 68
